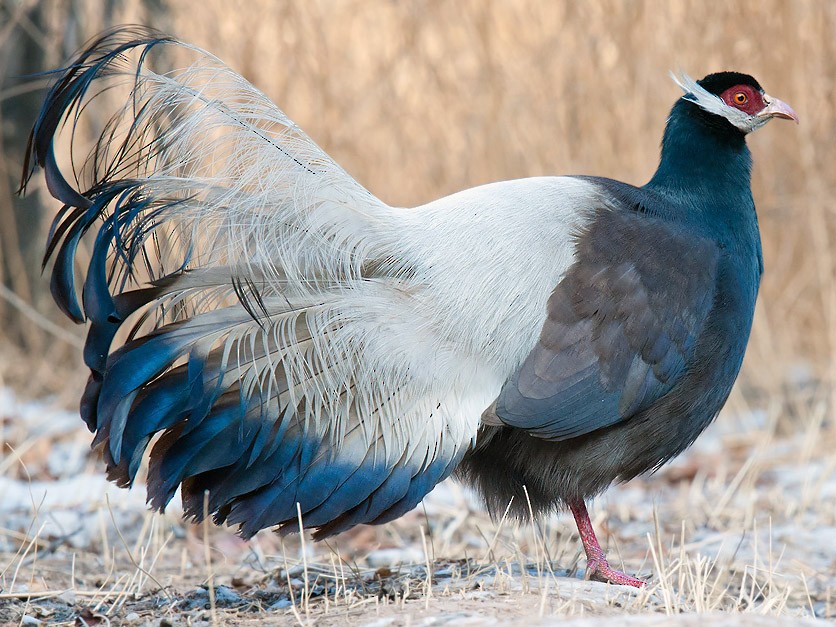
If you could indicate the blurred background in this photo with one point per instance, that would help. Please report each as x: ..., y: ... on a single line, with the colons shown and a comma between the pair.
x: 418, y: 99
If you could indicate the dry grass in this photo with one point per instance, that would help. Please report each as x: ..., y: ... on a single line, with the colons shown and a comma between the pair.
x: 742, y: 526
x: 418, y: 99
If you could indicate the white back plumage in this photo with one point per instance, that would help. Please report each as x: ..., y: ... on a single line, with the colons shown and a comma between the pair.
x: 389, y: 330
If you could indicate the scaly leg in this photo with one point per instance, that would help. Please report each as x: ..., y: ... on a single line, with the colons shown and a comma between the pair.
x: 597, y: 567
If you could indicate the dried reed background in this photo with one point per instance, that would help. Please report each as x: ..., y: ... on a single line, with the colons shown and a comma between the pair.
x: 419, y: 99
x: 422, y: 98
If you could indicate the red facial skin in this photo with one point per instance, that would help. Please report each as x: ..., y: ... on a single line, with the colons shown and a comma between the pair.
x: 752, y: 99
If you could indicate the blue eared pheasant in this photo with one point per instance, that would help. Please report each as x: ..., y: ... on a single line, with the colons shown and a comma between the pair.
x: 287, y: 344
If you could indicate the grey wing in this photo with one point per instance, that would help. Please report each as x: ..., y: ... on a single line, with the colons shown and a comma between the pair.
x: 620, y: 328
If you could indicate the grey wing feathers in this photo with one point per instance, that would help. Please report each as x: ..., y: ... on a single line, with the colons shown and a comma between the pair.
x: 619, y: 331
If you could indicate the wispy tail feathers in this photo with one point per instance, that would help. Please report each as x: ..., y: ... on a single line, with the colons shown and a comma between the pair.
x: 254, y: 281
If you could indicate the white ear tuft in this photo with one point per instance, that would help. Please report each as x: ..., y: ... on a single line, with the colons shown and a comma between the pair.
x: 714, y: 104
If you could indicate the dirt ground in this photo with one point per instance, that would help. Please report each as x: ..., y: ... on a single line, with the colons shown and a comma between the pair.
x: 740, y: 530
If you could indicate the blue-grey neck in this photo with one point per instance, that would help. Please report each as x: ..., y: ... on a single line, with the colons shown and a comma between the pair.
x: 703, y: 157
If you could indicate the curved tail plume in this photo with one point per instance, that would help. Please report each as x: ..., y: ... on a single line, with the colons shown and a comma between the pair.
x: 245, y: 297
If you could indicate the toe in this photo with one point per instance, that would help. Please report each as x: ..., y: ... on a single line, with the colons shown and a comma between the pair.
x: 601, y: 571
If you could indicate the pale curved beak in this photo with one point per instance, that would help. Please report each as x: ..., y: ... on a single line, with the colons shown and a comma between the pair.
x: 777, y: 109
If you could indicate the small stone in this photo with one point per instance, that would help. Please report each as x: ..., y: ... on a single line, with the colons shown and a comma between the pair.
x: 29, y: 620
x: 479, y: 594
x: 392, y: 557
x: 281, y: 604
x: 133, y: 617
x: 296, y: 571
x: 225, y: 595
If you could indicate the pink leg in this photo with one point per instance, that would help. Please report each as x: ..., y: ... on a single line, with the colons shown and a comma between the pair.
x: 597, y: 567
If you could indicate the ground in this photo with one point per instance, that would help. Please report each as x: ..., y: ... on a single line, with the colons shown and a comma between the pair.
x: 740, y: 530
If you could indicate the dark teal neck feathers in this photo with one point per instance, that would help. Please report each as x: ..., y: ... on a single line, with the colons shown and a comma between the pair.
x: 705, y: 171
x: 705, y: 162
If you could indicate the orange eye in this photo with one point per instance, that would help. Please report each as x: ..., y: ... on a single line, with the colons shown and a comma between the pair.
x: 740, y: 98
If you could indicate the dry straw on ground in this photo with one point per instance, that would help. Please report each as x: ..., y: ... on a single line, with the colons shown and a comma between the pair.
x: 743, y: 526
x: 418, y: 99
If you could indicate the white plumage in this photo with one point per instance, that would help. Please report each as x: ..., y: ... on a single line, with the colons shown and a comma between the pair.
x: 386, y: 331
x: 460, y: 285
